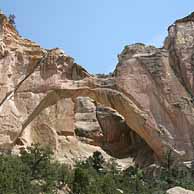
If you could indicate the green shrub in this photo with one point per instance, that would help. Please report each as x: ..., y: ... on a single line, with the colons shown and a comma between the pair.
x: 14, y: 176
x: 35, y: 172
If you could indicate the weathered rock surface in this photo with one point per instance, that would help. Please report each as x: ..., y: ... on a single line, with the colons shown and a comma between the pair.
x: 145, y: 74
x: 145, y: 108
x: 179, y: 190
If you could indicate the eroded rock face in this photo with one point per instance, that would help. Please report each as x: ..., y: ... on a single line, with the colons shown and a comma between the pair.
x: 144, y: 73
x: 86, y: 123
x: 145, y: 108
x: 180, y: 43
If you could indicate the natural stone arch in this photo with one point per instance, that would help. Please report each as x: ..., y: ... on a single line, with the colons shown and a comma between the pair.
x: 135, y: 118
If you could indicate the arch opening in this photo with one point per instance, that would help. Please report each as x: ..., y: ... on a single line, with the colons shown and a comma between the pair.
x: 103, y: 126
x: 135, y: 119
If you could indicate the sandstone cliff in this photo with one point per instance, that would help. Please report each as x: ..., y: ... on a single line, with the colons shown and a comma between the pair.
x: 145, y: 108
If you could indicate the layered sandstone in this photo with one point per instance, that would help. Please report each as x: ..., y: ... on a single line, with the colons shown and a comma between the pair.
x: 145, y: 108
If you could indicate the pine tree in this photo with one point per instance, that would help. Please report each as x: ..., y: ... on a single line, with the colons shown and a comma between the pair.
x: 12, y: 19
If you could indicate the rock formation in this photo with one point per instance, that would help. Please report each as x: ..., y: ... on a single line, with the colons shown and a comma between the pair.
x: 145, y: 108
x: 179, y: 190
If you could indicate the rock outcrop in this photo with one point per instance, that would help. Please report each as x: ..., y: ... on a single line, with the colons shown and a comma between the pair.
x: 179, y: 190
x: 145, y: 108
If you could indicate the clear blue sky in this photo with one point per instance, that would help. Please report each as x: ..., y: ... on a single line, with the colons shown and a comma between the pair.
x: 95, y: 31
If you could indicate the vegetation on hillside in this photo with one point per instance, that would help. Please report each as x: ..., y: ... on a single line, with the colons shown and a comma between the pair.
x: 12, y: 19
x: 35, y: 172
x: 103, y: 75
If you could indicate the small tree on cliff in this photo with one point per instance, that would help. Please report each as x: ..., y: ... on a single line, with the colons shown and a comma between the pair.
x: 96, y: 161
x: 42, y: 170
x: 12, y: 19
x: 37, y: 158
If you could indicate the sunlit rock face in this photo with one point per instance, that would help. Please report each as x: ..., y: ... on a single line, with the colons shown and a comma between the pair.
x: 180, y: 43
x: 145, y: 74
x: 143, y: 109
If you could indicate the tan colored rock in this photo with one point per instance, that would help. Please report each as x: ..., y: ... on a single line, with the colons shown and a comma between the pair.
x: 145, y: 74
x: 179, y: 190
x: 180, y: 43
x: 86, y: 123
